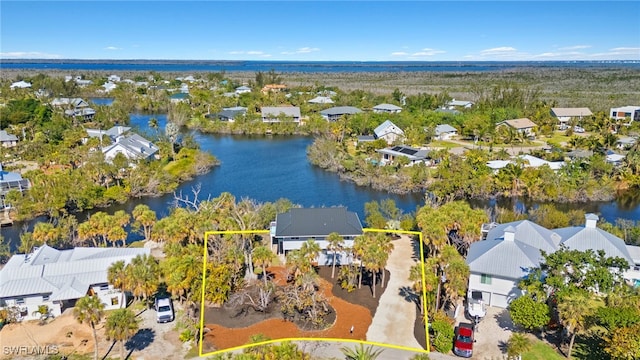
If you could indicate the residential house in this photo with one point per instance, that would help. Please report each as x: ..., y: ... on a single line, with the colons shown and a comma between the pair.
x: 321, y: 100
x: 113, y: 78
x: 526, y: 161
x: 58, y: 278
x: 229, y: 114
x: 612, y: 158
x: 20, y: 85
x: 11, y: 181
x: 524, y: 125
x: 75, y: 107
x: 334, y: 113
x: 242, y: 90
x: 414, y: 155
x: 272, y: 114
x: 459, y: 104
x: 294, y: 227
x: 274, y: 88
x: 388, y: 131
x: 511, y: 250
x: 565, y: 115
x: 179, y: 97
x: 133, y: 147
x: 445, y: 132
x: 8, y: 140
x: 112, y: 133
x: 387, y: 108
x: 78, y: 80
x: 626, y: 143
x: 108, y: 86
x: 631, y: 113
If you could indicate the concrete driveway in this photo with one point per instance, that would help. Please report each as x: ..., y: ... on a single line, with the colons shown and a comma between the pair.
x: 492, y: 334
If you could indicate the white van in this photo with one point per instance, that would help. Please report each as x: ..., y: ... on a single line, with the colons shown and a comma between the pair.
x: 164, y: 310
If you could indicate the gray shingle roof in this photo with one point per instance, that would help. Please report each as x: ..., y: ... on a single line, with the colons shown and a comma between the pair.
x: 317, y: 222
x: 443, y: 129
x: 388, y: 107
x: 4, y: 136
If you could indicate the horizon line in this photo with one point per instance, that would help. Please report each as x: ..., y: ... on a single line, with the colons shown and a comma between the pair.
x: 318, y: 61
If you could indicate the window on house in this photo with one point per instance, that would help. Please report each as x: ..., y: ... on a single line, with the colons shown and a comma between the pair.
x: 485, y: 279
x: 114, y: 300
x: 45, y: 297
x: 104, y: 287
x: 20, y: 301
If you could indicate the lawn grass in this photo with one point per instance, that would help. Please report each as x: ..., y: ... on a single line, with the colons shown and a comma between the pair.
x: 557, y: 138
x: 445, y: 144
x: 541, y: 351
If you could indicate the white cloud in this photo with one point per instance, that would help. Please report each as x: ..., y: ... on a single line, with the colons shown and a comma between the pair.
x: 29, y: 55
x: 575, y: 47
x: 250, y: 52
x: 255, y: 52
x: 399, y: 53
x: 627, y: 50
x: 112, y: 48
x: 427, y: 52
x: 498, y: 50
x: 302, y: 50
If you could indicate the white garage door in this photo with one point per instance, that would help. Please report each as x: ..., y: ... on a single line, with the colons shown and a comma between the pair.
x: 499, y: 300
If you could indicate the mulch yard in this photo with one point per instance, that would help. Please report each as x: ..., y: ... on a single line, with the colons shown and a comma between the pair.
x: 350, y: 309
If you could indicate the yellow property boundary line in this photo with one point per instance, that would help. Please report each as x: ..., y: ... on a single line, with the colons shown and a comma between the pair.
x: 241, y: 232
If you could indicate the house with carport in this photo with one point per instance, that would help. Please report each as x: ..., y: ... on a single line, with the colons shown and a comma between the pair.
x: 58, y: 278
x: 511, y: 250
x: 293, y: 228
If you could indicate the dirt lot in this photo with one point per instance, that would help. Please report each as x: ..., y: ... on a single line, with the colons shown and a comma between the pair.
x: 351, y: 309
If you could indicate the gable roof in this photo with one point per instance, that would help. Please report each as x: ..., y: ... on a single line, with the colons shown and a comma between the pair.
x: 584, y: 238
x: 321, y: 100
x: 275, y: 111
x: 20, y: 84
x: 528, y: 233
x: 387, y: 127
x: 135, y: 145
x: 65, y: 274
x: 443, y: 129
x: 114, y: 132
x: 406, y: 151
x: 5, y: 137
x: 317, y: 222
x: 519, y: 124
x: 387, y: 107
x: 509, y: 259
x: 340, y: 110
x: 571, y: 112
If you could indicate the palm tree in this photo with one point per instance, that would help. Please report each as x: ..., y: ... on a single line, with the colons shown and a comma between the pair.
x: 263, y: 256
x: 116, y: 275
x: 143, y: 273
x: 121, y: 325
x: 574, y: 311
x: 361, y: 353
x: 90, y: 310
x: 518, y: 343
x: 310, y: 250
x: 336, y: 243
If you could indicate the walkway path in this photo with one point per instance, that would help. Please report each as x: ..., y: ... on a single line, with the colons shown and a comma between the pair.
x: 395, y: 316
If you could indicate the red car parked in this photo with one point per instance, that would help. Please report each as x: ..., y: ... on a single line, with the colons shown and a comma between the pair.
x: 463, y: 342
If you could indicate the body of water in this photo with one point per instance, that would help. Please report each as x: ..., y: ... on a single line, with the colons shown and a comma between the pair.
x: 267, y: 168
x: 301, y: 66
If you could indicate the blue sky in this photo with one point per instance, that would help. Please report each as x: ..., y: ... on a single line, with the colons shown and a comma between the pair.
x: 321, y: 30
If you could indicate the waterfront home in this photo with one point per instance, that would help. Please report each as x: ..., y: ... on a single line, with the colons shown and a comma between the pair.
x: 112, y: 133
x: 321, y: 100
x: 388, y: 131
x: 133, y: 146
x: 58, y: 278
x: 179, y: 97
x: 20, y: 85
x: 334, y: 113
x: 566, y: 115
x: 511, y: 250
x: 294, y: 227
x: 228, y: 114
x: 445, y: 132
x: 525, y: 161
x: 273, y: 114
x: 387, y: 108
x: 8, y: 140
x: 630, y: 113
x: 523, y: 125
x: 11, y: 181
x: 414, y: 155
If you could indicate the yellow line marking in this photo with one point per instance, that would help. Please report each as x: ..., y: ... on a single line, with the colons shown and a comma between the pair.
x: 399, y: 347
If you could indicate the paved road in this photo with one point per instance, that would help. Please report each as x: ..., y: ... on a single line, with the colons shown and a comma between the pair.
x: 395, y: 316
